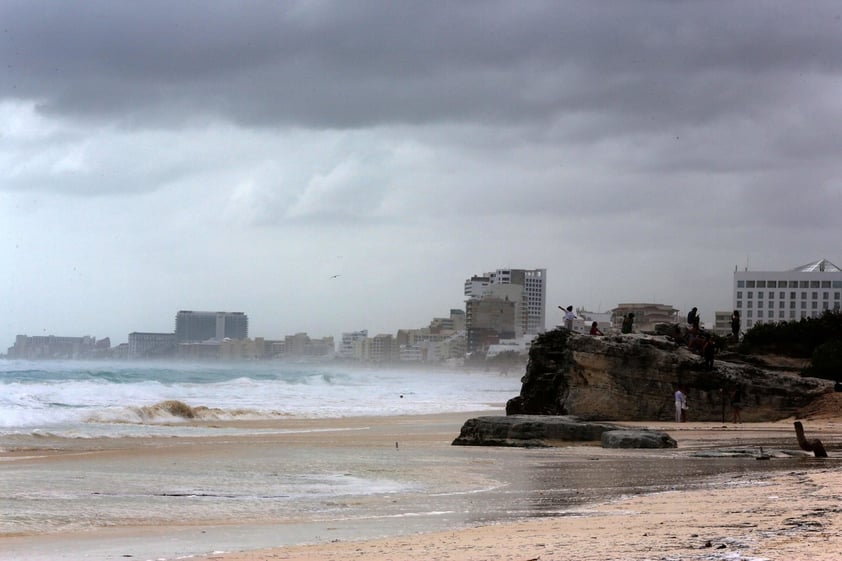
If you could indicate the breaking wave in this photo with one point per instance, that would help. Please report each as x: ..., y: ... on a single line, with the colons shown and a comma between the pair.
x: 129, y: 398
x: 173, y: 410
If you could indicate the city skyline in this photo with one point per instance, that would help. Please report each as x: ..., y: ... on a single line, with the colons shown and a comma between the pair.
x: 334, y: 166
x: 475, y: 286
x: 119, y: 339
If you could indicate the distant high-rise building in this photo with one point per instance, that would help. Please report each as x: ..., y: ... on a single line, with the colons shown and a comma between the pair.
x: 151, y: 345
x: 52, y: 347
x: 301, y: 345
x: 722, y: 322
x: 773, y: 296
x: 383, y: 348
x: 476, y: 286
x: 207, y: 326
x: 347, y: 345
x: 489, y: 319
x: 454, y: 322
x: 533, y: 299
x: 646, y: 315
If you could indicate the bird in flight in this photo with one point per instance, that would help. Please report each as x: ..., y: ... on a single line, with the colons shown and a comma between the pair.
x: 335, y: 276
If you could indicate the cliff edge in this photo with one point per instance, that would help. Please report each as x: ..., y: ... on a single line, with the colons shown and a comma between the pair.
x: 634, y: 378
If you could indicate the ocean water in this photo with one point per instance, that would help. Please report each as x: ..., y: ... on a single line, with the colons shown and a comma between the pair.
x: 87, y: 448
x: 124, y: 399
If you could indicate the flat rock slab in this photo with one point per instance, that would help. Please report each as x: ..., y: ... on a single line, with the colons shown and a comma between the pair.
x: 530, y: 431
x: 637, y: 438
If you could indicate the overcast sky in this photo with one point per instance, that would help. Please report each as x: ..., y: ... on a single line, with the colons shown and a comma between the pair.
x: 160, y: 156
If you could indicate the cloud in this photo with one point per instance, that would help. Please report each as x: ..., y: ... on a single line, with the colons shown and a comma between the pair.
x: 642, y: 65
x: 224, y: 156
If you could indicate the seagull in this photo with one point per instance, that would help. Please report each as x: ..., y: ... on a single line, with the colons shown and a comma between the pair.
x: 335, y: 276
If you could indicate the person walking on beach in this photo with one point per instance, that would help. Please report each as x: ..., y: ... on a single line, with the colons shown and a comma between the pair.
x: 737, y: 404
x: 569, y: 316
x: 680, y: 406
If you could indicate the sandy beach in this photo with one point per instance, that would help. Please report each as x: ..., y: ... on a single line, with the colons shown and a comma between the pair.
x: 480, y: 503
x: 788, y: 516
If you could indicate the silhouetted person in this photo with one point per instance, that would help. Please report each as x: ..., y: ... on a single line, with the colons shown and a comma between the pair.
x: 735, y: 325
x: 709, y: 352
x: 628, y: 323
x: 693, y: 339
x: 737, y: 404
x: 693, y: 317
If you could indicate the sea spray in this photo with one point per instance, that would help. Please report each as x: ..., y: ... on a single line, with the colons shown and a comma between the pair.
x: 107, y: 399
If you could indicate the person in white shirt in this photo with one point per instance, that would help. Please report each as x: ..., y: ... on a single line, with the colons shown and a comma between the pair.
x: 569, y: 316
x: 680, y: 405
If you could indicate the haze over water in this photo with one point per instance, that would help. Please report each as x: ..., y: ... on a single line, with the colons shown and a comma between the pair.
x: 84, y: 399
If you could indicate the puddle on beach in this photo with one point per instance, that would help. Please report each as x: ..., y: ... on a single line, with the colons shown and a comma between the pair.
x: 549, y: 483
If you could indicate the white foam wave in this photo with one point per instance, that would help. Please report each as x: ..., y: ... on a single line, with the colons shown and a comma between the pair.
x: 123, y: 396
x: 174, y: 411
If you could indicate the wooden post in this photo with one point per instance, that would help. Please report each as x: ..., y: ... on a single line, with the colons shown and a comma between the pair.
x: 815, y: 445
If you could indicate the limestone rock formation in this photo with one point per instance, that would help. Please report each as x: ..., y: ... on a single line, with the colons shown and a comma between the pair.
x: 637, y: 438
x: 634, y: 378
x: 534, y: 431
x: 529, y: 431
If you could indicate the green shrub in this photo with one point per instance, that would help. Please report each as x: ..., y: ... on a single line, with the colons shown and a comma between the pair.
x: 827, y: 361
x: 793, y: 338
x: 819, y: 339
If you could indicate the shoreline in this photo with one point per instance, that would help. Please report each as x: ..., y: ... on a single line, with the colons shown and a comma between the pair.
x: 772, y: 519
x: 510, y: 497
x: 775, y: 516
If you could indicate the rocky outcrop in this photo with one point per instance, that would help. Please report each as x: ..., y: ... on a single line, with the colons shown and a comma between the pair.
x: 533, y: 431
x: 637, y: 438
x: 528, y: 431
x: 634, y: 378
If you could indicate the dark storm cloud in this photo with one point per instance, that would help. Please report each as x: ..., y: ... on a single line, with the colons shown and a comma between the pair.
x: 630, y: 65
x: 585, y: 107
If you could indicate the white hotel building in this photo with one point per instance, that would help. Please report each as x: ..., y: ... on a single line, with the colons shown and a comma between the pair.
x: 774, y: 296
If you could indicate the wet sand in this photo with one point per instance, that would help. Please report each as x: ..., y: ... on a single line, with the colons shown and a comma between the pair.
x: 790, y: 517
x: 575, y: 502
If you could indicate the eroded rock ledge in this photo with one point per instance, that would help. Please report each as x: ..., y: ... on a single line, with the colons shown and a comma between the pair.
x: 574, y: 383
x: 634, y: 377
x: 543, y: 431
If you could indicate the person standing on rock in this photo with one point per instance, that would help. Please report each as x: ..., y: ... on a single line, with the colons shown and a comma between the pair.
x: 628, y: 323
x: 569, y: 316
x: 693, y: 318
x: 735, y: 325
x: 680, y: 406
x: 709, y: 352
